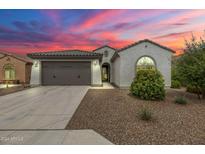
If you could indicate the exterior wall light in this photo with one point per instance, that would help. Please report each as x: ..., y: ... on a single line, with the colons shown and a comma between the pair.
x: 35, y: 63
x: 95, y: 62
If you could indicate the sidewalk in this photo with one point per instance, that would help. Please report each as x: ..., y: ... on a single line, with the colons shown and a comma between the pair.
x: 52, y: 137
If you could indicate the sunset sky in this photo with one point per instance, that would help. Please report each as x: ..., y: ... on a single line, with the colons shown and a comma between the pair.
x: 25, y: 31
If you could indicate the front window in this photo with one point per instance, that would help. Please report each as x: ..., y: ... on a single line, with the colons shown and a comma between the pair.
x: 145, y: 62
x: 9, y: 72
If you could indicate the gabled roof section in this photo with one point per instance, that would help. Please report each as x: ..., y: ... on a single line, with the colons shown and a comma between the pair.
x: 104, y: 47
x: 114, y: 56
x: 65, y: 54
x: 146, y: 40
x: 136, y: 43
x: 17, y: 56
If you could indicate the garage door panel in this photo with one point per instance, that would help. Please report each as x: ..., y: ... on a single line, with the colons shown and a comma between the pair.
x: 66, y: 73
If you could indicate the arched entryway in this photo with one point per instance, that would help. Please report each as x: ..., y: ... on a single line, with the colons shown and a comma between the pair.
x: 106, y: 72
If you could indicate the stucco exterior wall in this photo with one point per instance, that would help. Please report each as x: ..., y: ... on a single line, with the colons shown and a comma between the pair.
x: 36, y: 73
x: 28, y: 73
x: 96, y: 79
x: 95, y: 74
x: 116, y: 72
x: 107, y: 59
x: 19, y: 66
x: 130, y: 56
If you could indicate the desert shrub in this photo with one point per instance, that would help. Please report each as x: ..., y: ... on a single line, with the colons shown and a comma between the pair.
x: 175, y: 75
x: 180, y: 100
x: 145, y: 114
x: 193, y: 89
x: 175, y: 84
x: 148, y: 84
x: 191, y: 65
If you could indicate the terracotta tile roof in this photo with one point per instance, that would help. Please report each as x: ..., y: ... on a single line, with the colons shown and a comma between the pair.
x: 17, y: 56
x: 65, y: 53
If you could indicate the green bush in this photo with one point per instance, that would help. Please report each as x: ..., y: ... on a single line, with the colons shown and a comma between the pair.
x: 148, y: 84
x: 193, y: 89
x: 180, y: 100
x: 175, y: 84
x: 145, y: 114
x: 191, y: 65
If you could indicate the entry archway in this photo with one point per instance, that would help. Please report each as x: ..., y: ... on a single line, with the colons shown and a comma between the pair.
x: 106, y: 72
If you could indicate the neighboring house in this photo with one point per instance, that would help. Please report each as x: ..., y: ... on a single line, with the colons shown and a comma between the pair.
x: 14, y: 68
x: 76, y: 67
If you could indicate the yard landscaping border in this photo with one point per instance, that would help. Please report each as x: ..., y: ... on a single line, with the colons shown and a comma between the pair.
x: 113, y: 113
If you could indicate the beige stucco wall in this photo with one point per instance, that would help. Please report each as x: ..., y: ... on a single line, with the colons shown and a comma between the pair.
x: 129, y: 57
x: 107, y: 59
x: 28, y: 73
x: 20, y: 68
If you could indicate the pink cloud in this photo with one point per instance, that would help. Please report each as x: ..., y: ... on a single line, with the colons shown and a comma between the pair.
x: 174, y: 35
x: 100, y: 18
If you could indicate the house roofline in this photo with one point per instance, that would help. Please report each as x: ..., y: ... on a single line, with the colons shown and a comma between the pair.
x: 146, y: 40
x: 65, y: 54
x: 104, y: 47
x: 56, y: 51
x: 136, y: 43
x: 114, y: 57
x: 64, y: 57
x: 16, y: 57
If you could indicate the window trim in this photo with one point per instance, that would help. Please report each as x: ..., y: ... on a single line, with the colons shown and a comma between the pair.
x: 9, y: 67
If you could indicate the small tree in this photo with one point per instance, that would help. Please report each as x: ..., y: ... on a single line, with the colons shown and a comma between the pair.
x: 191, y: 65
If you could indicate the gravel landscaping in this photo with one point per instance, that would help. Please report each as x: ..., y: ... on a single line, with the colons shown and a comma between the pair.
x: 113, y: 113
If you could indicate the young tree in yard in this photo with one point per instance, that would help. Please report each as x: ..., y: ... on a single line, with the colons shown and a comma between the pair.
x: 191, y: 66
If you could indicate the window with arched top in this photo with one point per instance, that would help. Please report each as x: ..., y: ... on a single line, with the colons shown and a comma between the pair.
x: 145, y: 62
x: 9, y: 72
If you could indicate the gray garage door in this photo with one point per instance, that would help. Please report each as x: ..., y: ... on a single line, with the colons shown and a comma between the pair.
x: 66, y: 73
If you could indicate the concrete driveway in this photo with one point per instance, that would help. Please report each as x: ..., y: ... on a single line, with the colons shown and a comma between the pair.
x: 39, y: 116
x: 46, y: 107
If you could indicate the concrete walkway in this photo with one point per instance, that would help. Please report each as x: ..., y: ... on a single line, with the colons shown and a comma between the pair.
x: 106, y: 85
x: 55, y: 137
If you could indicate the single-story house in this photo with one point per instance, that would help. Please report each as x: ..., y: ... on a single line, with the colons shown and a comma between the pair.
x: 14, y: 68
x: 77, y: 67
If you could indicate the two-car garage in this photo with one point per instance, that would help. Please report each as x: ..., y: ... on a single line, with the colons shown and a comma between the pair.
x: 66, y: 73
x: 69, y: 67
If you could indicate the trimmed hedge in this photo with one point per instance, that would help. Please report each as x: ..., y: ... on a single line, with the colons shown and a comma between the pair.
x: 175, y: 84
x: 148, y: 85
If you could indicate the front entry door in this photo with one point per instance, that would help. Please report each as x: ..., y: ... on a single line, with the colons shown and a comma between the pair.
x: 105, y: 73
